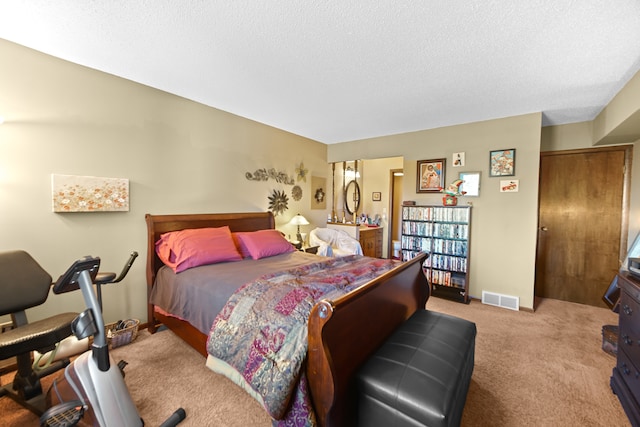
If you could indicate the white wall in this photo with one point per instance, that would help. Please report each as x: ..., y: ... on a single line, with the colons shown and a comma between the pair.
x: 180, y: 157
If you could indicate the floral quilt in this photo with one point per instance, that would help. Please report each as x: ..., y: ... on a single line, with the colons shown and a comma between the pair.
x: 262, y: 330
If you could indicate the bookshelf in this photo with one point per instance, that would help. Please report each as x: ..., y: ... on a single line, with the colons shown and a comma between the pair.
x: 444, y: 232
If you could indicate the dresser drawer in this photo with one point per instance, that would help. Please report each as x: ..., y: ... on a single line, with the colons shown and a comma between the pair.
x: 629, y: 372
x: 629, y: 316
x: 629, y: 342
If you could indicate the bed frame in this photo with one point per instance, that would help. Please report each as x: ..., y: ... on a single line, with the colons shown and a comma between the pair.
x: 342, y: 333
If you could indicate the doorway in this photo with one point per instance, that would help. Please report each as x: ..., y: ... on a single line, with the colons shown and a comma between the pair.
x: 583, y: 223
x: 395, y: 211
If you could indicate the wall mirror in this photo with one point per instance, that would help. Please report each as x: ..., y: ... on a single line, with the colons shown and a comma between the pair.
x: 352, y: 197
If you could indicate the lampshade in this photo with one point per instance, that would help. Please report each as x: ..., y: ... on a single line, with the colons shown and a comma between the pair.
x: 299, y: 220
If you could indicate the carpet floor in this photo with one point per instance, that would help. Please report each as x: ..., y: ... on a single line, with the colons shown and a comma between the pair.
x: 531, y: 369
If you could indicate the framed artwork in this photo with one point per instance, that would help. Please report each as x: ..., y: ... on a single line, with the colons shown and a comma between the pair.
x: 71, y: 193
x: 430, y: 175
x: 509, y: 185
x: 318, y: 192
x: 470, y: 183
x: 502, y: 162
x: 458, y: 159
x: 376, y: 196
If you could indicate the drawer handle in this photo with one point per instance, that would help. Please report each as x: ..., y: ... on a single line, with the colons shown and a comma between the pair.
x: 625, y: 369
x: 627, y: 340
x: 627, y: 310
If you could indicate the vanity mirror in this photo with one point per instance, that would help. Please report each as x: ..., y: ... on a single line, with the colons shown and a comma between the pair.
x: 352, y: 197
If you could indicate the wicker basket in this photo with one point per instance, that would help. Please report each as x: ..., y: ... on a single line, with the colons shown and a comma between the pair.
x: 119, y: 337
x: 610, y: 339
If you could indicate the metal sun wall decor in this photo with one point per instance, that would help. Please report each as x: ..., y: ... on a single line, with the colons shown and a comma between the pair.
x: 71, y: 193
x: 278, y: 202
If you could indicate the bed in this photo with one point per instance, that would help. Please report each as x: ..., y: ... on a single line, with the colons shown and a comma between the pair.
x: 363, y: 317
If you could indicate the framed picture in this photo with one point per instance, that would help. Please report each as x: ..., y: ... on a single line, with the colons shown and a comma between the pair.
x: 458, y: 159
x: 430, y: 176
x: 502, y: 162
x: 509, y: 185
x: 318, y: 192
x: 376, y: 196
x: 470, y: 183
x: 72, y: 193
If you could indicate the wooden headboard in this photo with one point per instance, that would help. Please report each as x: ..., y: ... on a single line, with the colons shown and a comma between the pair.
x: 160, y: 224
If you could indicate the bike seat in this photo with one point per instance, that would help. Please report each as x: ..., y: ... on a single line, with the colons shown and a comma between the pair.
x: 103, y: 278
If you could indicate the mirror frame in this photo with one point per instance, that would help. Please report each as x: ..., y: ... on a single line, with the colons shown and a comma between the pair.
x: 356, y: 190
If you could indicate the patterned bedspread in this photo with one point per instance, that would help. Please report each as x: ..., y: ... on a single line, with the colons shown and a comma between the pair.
x: 262, y: 330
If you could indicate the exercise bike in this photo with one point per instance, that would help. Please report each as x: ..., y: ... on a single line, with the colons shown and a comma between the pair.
x: 92, y: 390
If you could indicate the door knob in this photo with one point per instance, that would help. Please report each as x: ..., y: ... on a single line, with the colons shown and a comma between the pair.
x: 543, y: 228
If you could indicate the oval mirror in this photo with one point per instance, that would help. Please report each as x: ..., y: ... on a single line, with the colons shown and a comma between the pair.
x: 352, y: 197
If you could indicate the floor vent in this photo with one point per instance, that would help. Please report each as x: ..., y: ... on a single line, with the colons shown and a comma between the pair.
x: 499, y: 300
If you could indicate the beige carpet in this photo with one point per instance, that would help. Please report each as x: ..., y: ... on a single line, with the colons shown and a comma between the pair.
x: 532, y: 369
x: 539, y: 369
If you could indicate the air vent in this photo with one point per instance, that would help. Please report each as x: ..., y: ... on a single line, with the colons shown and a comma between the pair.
x: 499, y: 300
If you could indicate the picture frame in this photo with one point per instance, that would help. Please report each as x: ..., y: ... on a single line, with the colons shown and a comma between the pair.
x: 471, y: 183
x: 318, y: 192
x: 502, y: 162
x: 74, y: 193
x: 376, y: 196
x: 458, y: 159
x: 509, y: 185
x: 430, y: 175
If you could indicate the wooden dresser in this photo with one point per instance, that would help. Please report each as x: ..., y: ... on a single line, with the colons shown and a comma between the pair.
x: 371, y: 241
x: 625, y: 380
x: 370, y: 238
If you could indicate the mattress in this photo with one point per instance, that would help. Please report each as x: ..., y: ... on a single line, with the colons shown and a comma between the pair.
x: 198, y: 294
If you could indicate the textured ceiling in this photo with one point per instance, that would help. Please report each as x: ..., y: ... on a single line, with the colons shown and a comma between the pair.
x: 341, y: 70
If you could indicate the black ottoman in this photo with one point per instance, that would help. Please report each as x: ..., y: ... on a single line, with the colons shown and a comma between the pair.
x: 420, y: 375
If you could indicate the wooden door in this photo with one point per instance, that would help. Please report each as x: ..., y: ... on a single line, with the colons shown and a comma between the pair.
x: 582, y: 234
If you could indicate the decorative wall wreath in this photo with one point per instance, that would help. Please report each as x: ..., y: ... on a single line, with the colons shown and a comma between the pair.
x: 296, y: 193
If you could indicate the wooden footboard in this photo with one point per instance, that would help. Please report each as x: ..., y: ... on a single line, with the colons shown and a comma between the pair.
x: 343, y: 333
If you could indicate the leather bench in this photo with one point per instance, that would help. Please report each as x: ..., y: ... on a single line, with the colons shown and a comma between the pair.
x: 420, y: 375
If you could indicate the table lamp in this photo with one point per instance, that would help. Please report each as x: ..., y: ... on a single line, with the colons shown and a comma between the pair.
x: 299, y: 220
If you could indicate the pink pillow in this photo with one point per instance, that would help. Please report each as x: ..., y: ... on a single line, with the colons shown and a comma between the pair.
x: 242, y: 248
x: 189, y: 248
x: 264, y: 243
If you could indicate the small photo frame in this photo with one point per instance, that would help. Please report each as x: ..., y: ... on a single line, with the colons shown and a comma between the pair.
x: 470, y: 183
x: 502, y: 162
x: 430, y: 175
x: 318, y: 192
x: 376, y: 196
x: 509, y: 185
x: 457, y: 160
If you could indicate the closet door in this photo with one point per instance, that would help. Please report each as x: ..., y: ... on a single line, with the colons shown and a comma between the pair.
x: 582, y: 234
